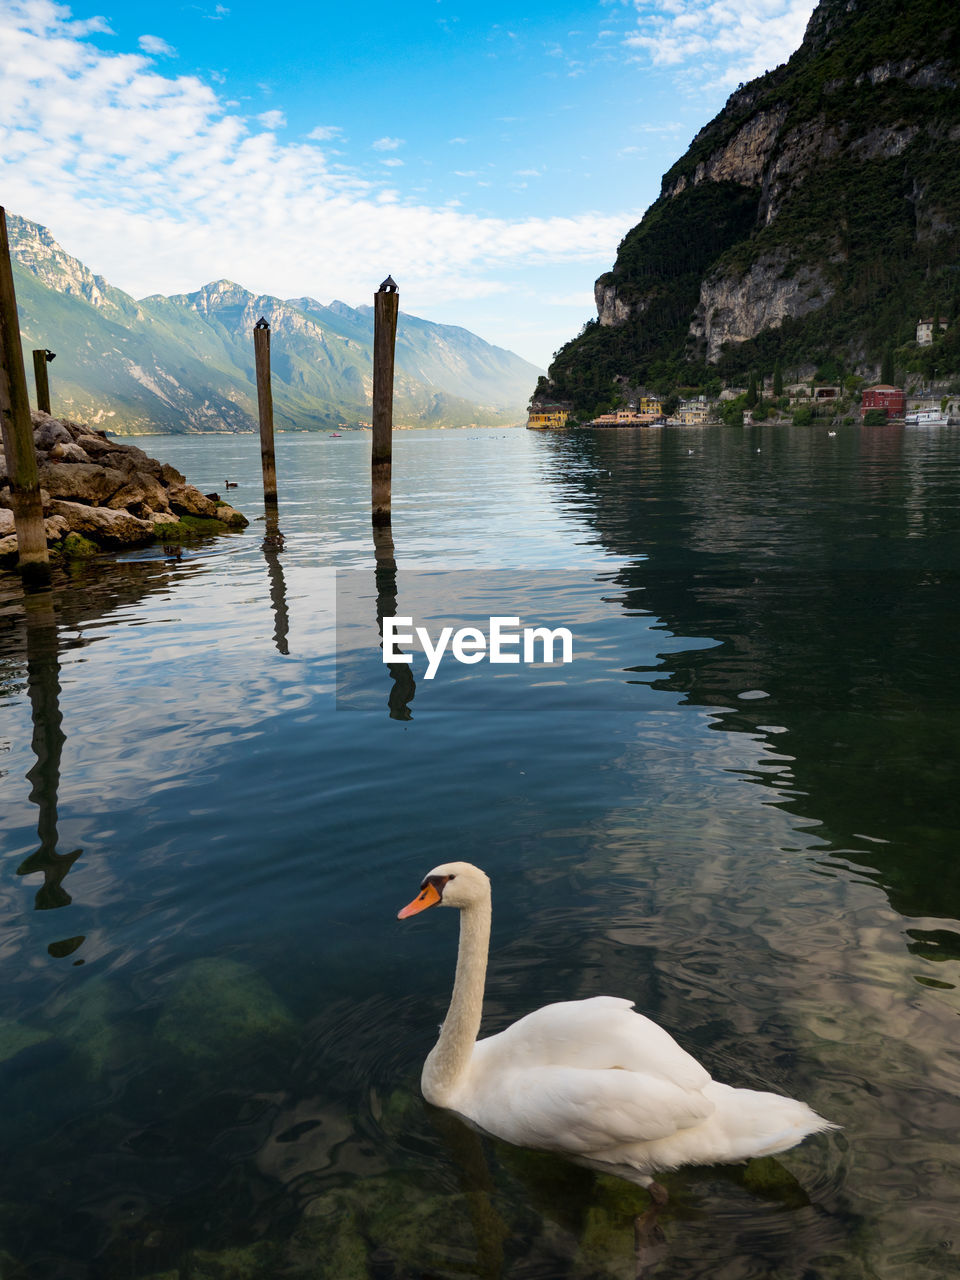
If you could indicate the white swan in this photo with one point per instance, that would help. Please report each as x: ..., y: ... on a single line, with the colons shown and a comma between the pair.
x: 588, y: 1078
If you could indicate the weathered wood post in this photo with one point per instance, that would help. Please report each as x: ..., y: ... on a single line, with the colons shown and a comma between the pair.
x: 386, y: 305
x: 40, y: 361
x: 261, y: 349
x: 17, y: 429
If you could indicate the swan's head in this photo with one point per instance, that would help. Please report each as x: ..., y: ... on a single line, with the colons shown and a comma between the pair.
x: 454, y: 884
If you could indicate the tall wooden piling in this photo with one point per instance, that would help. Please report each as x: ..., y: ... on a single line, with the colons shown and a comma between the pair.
x: 17, y: 429
x: 386, y: 306
x: 40, y: 361
x: 261, y: 349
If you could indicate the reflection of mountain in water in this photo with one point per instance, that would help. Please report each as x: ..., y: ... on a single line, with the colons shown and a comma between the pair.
x: 826, y: 571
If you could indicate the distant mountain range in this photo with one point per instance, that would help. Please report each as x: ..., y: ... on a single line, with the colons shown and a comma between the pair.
x: 185, y: 363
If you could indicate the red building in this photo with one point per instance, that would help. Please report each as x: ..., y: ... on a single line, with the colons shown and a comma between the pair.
x: 893, y: 400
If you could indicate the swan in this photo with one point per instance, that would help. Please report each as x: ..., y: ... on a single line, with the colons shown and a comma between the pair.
x: 590, y: 1079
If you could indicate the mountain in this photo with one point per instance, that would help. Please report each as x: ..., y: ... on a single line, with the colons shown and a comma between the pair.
x: 185, y: 363
x: 813, y: 221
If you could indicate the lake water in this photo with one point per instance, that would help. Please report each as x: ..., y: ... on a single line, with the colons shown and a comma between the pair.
x: 737, y: 805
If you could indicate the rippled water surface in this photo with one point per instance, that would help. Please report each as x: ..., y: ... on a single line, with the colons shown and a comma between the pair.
x: 738, y: 806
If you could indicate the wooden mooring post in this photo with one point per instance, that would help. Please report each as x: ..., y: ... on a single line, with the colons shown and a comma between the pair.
x: 261, y: 350
x: 17, y: 430
x: 386, y: 306
x: 40, y: 361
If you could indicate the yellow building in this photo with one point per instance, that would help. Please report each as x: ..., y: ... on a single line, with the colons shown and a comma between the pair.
x: 650, y: 406
x: 692, y: 413
x: 542, y: 416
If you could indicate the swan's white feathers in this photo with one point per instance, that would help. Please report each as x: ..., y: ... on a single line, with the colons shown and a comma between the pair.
x: 583, y: 1111
x: 603, y: 1032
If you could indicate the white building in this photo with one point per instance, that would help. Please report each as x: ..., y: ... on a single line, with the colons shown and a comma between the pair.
x: 925, y: 331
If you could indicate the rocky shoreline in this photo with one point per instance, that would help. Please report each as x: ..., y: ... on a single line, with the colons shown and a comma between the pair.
x: 101, y: 496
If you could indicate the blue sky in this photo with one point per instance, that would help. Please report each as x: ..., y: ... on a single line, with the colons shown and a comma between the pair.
x: 489, y: 156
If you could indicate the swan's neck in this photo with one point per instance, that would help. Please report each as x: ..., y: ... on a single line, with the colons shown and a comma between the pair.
x: 447, y: 1064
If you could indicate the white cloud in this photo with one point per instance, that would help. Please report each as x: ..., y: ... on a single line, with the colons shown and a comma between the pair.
x: 393, y: 163
x: 722, y: 41
x: 154, y: 182
x: 387, y: 144
x: 324, y: 133
x: 157, y: 46
x: 272, y: 119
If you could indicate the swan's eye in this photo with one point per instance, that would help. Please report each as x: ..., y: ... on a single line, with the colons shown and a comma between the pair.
x: 438, y: 883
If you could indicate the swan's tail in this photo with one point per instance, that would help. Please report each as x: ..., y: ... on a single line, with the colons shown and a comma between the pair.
x: 761, y: 1124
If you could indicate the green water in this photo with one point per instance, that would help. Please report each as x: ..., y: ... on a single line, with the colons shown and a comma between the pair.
x: 738, y: 806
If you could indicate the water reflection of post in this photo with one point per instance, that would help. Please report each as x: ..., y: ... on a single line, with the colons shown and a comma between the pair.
x: 404, y: 685
x: 272, y: 545
x: 43, y: 685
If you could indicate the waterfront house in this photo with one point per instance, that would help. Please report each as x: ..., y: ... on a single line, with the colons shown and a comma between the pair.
x: 650, y: 411
x: 892, y: 400
x: 542, y: 416
x: 692, y: 413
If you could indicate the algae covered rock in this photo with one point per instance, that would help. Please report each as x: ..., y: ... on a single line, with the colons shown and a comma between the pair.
x: 16, y: 1036
x: 219, y: 1007
x: 92, y: 1020
x: 114, y: 495
x: 79, y: 547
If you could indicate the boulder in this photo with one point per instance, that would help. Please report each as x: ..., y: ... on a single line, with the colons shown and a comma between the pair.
x: 140, y: 494
x: 7, y: 524
x: 79, y: 547
x: 50, y: 431
x: 188, y: 501
x: 230, y: 516
x: 8, y: 546
x: 55, y: 527
x: 81, y: 481
x: 94, y: 445
x: 69, y: 453
x: 130, y: 459
x: 170, y: 475
x: 104, y: 525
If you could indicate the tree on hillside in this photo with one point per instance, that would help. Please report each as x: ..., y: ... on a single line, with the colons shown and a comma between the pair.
x: 888, y: 373
x: 777, y: 380
x: 752, y: 390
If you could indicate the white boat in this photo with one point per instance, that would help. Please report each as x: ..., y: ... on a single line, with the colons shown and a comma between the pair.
x: 927, y: 418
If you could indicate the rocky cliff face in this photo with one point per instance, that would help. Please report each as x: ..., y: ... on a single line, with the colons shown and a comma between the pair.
x: 735, y: 308
x: 847, y: 164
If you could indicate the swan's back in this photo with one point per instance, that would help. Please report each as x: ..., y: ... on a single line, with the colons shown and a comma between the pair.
x: 595, y: 1079
x: 602, y: 1033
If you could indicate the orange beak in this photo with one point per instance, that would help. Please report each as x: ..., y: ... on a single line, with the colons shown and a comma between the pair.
x: 427, y: 897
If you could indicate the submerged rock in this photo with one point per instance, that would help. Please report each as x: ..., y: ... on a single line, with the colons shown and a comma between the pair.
x: 221, y: 1007
x: 16, y: 1036
x: 95, y: 491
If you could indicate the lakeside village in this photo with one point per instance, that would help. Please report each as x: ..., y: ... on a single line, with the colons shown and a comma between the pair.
x: 769, y: 400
